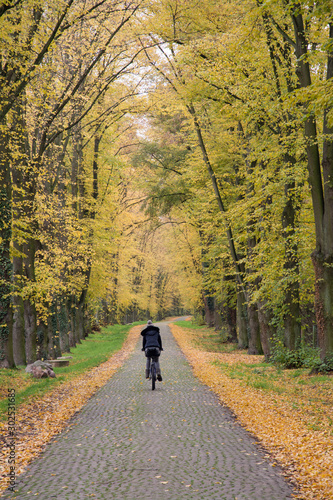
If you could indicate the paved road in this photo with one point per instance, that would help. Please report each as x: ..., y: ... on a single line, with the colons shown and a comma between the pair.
x: 176, y: 443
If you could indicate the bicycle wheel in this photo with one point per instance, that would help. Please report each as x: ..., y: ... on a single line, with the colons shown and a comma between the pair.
x: 153, y: 375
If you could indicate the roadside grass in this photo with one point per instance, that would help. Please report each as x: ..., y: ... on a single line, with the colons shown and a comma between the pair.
x: 289, y: 411
x: 209, y: 339
x: 310, y: 395
x: 93, y: 351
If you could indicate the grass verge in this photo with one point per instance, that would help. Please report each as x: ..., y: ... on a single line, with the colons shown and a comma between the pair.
x: 290, y: 411
x: 312, y: 395
x: 207, y: 338
x: 43, y: 415
x: 93, y: 351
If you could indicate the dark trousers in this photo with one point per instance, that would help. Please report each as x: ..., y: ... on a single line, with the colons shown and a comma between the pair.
x: 157, y: 362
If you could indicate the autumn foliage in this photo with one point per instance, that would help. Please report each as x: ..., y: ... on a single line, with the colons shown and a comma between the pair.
x: 166, y: 156
x: 43, y: 417
x: 281, y: 421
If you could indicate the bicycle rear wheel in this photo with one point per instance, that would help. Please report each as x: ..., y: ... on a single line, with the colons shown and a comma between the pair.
x: 153, y: 375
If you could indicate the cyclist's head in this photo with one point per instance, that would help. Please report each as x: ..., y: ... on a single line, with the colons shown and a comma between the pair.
x: 149, y: 322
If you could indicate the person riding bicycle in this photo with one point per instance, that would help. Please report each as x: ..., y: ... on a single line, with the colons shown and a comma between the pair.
x: 152, y: 346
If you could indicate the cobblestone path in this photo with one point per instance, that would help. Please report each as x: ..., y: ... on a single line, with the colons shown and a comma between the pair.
x: 132, y: 443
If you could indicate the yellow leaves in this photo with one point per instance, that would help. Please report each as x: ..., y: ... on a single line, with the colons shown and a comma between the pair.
x: 39, y: 421
x: 306, y: 454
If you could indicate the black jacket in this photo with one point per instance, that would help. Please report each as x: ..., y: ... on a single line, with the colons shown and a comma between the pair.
x: 151, y: 337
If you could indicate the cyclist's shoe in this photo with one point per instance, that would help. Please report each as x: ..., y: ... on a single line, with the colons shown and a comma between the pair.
x: 159, y: 377
x: 147, y: 373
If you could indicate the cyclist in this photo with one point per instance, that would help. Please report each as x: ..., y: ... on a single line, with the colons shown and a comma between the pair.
x: 152, y: 346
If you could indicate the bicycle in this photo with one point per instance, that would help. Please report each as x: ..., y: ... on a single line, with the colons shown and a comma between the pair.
x: 152, y: 373
x: 152, y: 354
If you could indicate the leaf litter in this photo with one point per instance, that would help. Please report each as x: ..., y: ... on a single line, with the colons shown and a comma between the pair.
x: 40, y: 420
x: 306, y: 455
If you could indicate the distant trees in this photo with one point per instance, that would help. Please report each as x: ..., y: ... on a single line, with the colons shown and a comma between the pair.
x: 254, y: 81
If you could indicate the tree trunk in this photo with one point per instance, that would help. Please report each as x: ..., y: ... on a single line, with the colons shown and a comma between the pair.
x: 30, y: 316
x: 79, y: 320
x: 6, y: 342
x: 63, y: 326
x: 42, y: 341
x: 51, y: 348
x: 6, y: 334
x: 53, y: 334
x: 209, y: 310
x: 324, y: 302
x: 267, y: 331
x: 292, y: 318
x: 71, y: 335
x: 24, y: 187
x: 30, y: 323
x: 75, y: 168
x: 322, y: 192
x: 18, y: 309
x: 323, y: 257
x: 19, y: 152
x: 233, y: 253
x: 231, y: 320
x: 97, y: 141
x: 229, y: 309
x: 292, y: 323
x: 254, y: 326
x: 242, y: 321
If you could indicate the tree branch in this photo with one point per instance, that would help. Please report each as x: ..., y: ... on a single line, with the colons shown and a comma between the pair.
x: 4, y: 8
x: 28, y: 75
x: 283, y: 33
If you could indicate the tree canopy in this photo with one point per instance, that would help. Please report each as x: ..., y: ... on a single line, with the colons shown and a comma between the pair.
x: 166, y: 157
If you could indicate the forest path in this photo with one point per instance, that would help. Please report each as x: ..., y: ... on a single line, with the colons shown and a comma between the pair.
x: 131, y: 443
